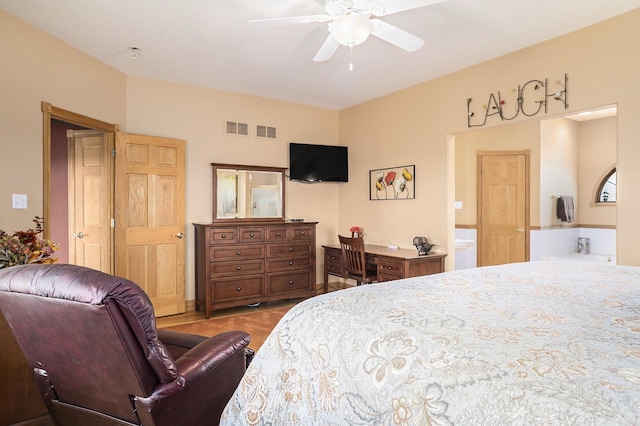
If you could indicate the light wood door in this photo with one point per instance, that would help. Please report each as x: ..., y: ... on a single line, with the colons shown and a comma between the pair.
x: 90, y: 199
x: 503, y: 207
x: 150, y: 217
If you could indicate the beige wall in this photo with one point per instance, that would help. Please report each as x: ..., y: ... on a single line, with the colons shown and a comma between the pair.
x: 415, y: 126
x: 35, y: 68
x: 598, y: 139
x: 558, y: 168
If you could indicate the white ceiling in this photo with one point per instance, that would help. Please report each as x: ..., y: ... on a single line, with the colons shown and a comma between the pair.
x: 210, y: 43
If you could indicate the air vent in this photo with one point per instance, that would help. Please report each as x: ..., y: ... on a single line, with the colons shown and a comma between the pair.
x: 265, y: 132
x: 235, y: 128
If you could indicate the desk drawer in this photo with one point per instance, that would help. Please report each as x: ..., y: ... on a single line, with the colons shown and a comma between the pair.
x: 332, y: 264
x: 250, y: 286
x: 234, y: 268
x: 332, y: 256
x: 217, y: 254
x: 285, y: 283
x: 390, y: 269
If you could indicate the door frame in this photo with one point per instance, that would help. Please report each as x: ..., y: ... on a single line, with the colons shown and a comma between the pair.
x: 50, y: 112
x: 527, y: 199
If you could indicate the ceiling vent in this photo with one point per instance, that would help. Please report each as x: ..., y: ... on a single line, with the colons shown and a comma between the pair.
x: 265, y: 132
x: 235, y: 128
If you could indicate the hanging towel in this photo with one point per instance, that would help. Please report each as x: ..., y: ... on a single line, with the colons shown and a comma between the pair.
x: 565, y: 208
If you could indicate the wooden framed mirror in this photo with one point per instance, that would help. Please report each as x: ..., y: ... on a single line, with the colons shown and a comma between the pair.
x: 248, y: 193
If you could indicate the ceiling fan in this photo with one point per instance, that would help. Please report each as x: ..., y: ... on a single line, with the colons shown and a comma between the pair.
x: 352, y: 21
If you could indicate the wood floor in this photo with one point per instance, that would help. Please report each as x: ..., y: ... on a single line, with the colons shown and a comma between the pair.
x: 241, y: 317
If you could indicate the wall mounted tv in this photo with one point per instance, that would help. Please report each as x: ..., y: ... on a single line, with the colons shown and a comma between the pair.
x: 318, y: 163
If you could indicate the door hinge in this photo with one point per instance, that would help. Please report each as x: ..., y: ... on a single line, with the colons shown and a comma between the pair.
x: 113, y: 153
x: 113, y: 223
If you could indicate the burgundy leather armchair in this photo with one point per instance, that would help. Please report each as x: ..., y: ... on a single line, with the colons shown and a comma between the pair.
x: 98, y: 359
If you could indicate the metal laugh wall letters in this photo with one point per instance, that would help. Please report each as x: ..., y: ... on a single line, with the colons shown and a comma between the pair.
x: 528, y: 99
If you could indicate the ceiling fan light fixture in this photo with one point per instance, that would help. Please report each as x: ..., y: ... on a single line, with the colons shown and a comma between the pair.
x: 351, y: 28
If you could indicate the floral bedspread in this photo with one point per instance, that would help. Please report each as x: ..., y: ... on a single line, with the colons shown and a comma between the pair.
x: 519, y: 344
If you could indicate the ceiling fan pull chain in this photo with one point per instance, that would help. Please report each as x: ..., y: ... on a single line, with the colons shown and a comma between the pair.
x: 351, y: 58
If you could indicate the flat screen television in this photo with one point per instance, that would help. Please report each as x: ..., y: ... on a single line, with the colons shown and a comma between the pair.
x: 318, y: 163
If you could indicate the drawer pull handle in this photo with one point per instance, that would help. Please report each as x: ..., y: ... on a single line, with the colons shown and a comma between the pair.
x: 238, y: 289
x: 290, y: 263
x: 290, y: 282
x: 301, y: 232
x: 290, y: 248
x: 238, y: 268
x: 252, y: 235
x: 238, y: 252
x: 224, y: 236
x: 389, y: 267
x: 277, y: 234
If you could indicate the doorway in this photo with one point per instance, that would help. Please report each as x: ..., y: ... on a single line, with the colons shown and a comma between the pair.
x: 58, y: 188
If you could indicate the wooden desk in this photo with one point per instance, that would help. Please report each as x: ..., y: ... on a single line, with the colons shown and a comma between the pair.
x: 391, y: 264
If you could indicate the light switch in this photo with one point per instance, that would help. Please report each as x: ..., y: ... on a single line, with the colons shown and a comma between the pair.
x: 458, y: 205
x: 19, y: 201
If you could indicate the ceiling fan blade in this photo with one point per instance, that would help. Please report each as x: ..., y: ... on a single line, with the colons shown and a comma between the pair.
x: 327, y: 49
x: 395, y: 6
x: 396, y: 36
x: 291, y: 20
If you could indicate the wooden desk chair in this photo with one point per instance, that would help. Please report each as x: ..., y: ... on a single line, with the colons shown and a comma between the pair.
x: 354, y: 261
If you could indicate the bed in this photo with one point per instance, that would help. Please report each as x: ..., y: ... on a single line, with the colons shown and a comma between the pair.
x: 527, y: 343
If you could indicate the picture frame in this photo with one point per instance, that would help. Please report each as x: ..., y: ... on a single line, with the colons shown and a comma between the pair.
x: 392, y: 183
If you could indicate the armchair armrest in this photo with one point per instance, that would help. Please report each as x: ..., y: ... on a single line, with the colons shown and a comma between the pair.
x: 208, y: 374
x: 178, y: 343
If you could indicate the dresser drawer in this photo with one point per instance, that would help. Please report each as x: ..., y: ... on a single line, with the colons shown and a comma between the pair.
x: 278, y: 233
x: 291, y: 249
x: 237, y: 267
x: 285, y: 283
x: 224, y: 289
x: 302, y: 233
x: 390, y: 268
x: 289, y: 263
x: 223, y: 236
x: 224, y: 253
x: 252, y: 235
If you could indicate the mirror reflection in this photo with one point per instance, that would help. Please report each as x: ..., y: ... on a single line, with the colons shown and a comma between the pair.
x: 248, y: 192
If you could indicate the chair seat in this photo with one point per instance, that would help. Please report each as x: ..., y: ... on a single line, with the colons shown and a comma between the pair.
x: 371, y: 276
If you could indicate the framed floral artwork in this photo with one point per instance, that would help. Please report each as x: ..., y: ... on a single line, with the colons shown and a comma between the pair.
x: 394, y: 183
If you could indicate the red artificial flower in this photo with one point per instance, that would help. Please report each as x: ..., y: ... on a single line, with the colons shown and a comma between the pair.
x: 389, y: 178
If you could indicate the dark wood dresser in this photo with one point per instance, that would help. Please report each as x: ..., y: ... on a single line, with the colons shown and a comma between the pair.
x: 242, y: 264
